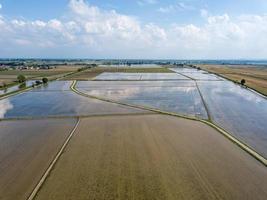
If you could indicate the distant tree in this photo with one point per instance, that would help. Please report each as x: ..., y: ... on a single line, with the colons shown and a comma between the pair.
x: 243, y: 82
x: 198, y: 68
x: 21, y: 78
x: 45, y: 80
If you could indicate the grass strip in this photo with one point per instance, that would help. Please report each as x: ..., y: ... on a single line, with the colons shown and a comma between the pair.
x: 75, y: 116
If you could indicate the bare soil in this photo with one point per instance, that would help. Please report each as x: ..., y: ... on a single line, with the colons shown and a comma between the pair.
x: 153, y: 157
x: 26, y: 150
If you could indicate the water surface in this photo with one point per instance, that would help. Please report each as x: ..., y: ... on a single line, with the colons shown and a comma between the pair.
x: 181, y: 97
x: 140, y: 76
x: 239, y: 111
x: 44, y: 101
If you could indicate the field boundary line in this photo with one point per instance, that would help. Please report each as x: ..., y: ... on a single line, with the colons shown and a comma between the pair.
x: 77, y: 116
x: 49, y: 169
x: 127, y: 104
x: 201, y: 96
x: 242, y: 145
x: 233, y: 139
x: 203, y: 101
x: 183, y: 75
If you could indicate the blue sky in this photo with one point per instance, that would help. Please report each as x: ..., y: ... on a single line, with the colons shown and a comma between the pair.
x: 147, y: 12
x: 133, y: 29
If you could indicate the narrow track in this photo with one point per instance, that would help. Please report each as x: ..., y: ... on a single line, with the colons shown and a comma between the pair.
x: 49, y: 169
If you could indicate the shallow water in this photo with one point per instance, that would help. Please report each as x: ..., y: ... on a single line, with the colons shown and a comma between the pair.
x: 125, y: 84
x: 178, y: 97
x: 203, y: 76
x: 133, y: 66
x: 185, y: 70
x: 140, y: 76
x: 239, y: 111
x: 196, y: 74
x: 43, y: 101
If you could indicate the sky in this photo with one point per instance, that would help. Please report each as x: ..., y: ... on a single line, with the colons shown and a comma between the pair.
x: 134, y: 29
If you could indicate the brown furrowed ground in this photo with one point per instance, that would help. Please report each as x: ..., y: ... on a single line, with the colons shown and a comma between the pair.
x: 152, y: 157
x: 93, y: 72
x: 256, y: 77
x: 26, y: 150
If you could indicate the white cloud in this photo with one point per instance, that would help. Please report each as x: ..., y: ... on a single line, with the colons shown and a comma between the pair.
x: 146, y: 2
x: 88, y: 31
x: 55, y: 24
x: 176, y: 8
x: 5, y: 106
x: 166, y: 9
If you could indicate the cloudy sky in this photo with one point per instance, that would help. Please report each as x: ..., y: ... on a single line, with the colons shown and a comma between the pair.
x: 153, y: 29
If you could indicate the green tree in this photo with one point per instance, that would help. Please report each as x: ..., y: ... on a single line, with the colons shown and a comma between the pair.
x: 243, y: 82
x: 45, y: 80
x: 21, y: 78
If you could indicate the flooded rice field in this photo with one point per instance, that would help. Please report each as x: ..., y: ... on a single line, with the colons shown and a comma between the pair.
x: 196, y: 74
x: 50, y: 101
x: 202, y: 76
x: 181, y: 97
x: 132, y: 66
x: 164, y: 151
x: 140, y: 76
x: 239, y: 111
x: 185, y: 70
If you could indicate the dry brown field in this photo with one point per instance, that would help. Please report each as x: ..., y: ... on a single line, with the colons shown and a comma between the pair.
x: 5, y: 81
x: 256, y: 77
x: 26, y: 150
x: 152, y: 157
x: 42, y: 72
